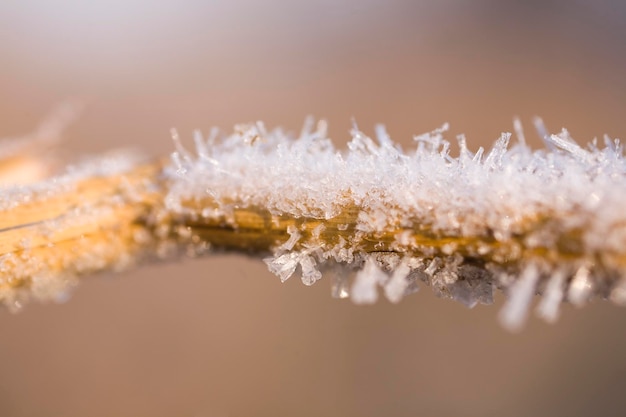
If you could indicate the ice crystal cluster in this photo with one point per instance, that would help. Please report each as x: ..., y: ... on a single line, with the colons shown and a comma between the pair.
x: 551, y: 220
x: 376, y: 218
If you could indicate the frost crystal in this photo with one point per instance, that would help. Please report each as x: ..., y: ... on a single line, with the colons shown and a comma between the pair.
x: 364, y: 289
x: 514, y: 312
x: 397, y: 285
x: 548, y: 308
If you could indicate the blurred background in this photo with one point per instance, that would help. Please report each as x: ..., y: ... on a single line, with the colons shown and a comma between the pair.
x: 221, y: 336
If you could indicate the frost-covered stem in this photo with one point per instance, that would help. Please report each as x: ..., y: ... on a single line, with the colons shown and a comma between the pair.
x: 520, y: 220
x: 131, y: 205
x: 108, y: 222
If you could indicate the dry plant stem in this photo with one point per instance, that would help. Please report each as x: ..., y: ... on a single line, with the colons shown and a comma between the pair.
x: 76, y: 232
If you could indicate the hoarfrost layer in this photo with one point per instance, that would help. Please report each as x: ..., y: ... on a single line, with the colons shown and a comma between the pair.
x: 545, y: 216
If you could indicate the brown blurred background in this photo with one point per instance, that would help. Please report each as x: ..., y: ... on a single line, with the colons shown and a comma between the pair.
x: 221, y: 336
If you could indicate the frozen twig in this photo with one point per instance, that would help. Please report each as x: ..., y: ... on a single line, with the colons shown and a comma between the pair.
x: 543, y: 221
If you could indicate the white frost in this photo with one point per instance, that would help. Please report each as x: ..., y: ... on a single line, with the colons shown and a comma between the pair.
x: 549, y: 220
x: 494, y: 193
